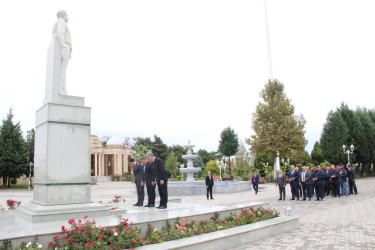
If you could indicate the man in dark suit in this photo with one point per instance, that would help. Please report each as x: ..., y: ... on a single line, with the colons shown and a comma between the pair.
x: 303, y: 182
x: 327, y: 180
x: 281, y: 183
x: 139, y: 179
x: 209, y: 184
x: 255, y: 181
x: 318, y: 178
x: 161, y: 178
x: 150, y: 181
x: 335, y: 179
x: 352, y: 185
x: 309, y: 183
x: 293, y: 176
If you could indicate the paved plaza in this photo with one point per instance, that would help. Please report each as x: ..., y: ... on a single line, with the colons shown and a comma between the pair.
x: 335, y: 223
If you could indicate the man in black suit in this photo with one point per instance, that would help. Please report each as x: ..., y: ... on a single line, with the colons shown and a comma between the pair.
x: 139, y: 179
x: 161, y: 178
x: 318, y: 178
x: 209, y: 184
x: 335, y: 179
x: 352, y: 185
x: 281, y: 183
x: 150, y: 181
x: 255, y: 181
x: 327, y: 182
x: 293, y: 176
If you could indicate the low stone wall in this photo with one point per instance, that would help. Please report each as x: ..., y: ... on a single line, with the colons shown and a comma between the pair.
x: 232, y: 237
x: 195, y: 188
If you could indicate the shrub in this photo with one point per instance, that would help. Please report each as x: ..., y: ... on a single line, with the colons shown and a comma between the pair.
x: 13, y: 181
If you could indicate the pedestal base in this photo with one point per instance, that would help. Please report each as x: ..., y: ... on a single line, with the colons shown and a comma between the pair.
x: 35, y: 213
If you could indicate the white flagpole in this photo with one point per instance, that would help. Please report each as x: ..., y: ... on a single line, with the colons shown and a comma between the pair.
x: 268, y: 41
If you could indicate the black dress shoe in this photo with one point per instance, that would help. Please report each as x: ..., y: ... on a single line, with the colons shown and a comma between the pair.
x: 136, y: 204
x: 212, y: 198
x: 151, y: 205
x: 280, y: 199
x: 162, y: 207
x: 292, y: 199
x: 147, y: 205
x: 140, y: 205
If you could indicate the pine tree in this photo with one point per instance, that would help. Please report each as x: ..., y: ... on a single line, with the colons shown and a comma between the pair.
x: 13, y: 155
x: 317, y: 154
x: 334, y: 135
x: 276, y: 127
x: 228, y: 144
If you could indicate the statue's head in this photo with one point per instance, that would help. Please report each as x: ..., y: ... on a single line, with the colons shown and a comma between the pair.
x: 63, y: 14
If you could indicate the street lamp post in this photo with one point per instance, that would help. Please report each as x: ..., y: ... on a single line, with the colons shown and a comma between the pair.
x: 265, y: 166
x: 348, y: 151
x: 30, y: 164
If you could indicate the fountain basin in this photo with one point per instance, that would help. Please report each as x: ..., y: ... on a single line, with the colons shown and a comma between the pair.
x: 176, y: 188
x: 190, y: 173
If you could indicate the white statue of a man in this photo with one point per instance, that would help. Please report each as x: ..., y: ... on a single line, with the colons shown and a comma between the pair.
x: 62, y: 34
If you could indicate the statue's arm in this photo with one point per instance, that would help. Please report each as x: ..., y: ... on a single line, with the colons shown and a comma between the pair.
x: 60, y: 34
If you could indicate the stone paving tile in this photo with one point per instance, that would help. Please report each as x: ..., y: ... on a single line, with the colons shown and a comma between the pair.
x: 335, y: 223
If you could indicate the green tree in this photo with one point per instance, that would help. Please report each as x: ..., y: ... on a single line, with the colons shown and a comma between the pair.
x: 171, y: 165
x: 30, y: 145
x: 178, y: 152
x: 212, y: 166
x: 228, y: 144
x: 299, y: 157
x: 262, y: 158
x: 334, y: 135
x: 13, y: 155
x: 242, y: 159
x: 366, y: 154
x: 276, y: 127
x: 159, y: 148
x: 206, y: 157
x: 317, y: 154
x: 143, y: 141
x: 355, y: 131
x: 198, y: 163
x: 140, y: 150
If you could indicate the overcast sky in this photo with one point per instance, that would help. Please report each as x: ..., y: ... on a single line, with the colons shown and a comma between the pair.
x: 188, y: 69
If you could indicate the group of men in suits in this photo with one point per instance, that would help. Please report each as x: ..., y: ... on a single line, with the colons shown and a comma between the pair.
x: 329, y: 180
x: 149, y: 172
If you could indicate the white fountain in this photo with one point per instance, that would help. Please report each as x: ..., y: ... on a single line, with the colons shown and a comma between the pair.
x: 190, y: 170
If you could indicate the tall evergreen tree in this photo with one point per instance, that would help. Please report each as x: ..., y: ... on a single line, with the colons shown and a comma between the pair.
x: 334, y: 135
x: 13, y: 155
x: 159, y: 148
x: 367, y: 142
x: 228, y: 144
x: 317, y: 154
x: 355, y: 130
x: 178, y: 152
x: 276, y: 126
x: 30, y: 145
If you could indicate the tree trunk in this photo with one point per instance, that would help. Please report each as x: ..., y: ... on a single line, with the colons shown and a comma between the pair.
x: 8, y: 181
x: 5, y: 181
x: 230, y: 170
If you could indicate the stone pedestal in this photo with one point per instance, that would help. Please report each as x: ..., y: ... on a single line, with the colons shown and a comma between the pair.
x: 62, y: 165
x: 62, y: 155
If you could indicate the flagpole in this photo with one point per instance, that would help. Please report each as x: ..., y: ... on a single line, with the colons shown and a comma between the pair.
x: 268, y: 41
x: 276, y: 166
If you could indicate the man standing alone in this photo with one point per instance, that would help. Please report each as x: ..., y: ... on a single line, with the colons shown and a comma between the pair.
x: 255, y: 181
x: 209, y: 184
x: 281, y: 182
x: 139, y: 179
x: 161, y: 178
x: 352, y: 185
x: 150, y: 181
